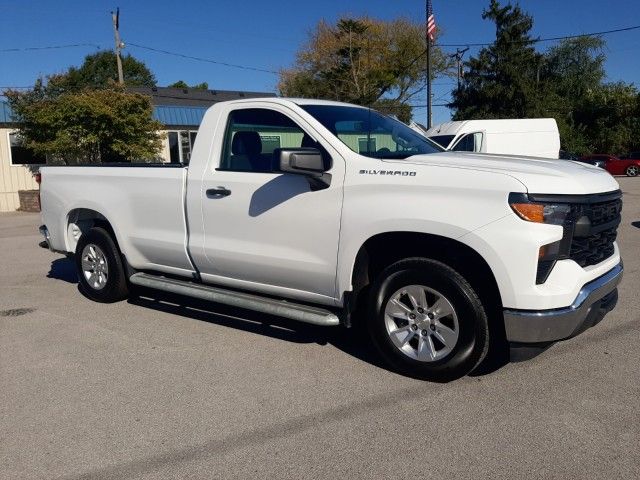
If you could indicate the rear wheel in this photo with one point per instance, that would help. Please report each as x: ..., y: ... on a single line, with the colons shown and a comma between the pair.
x: 99, y: 265
x: 632, y: 170
x: 427, y: 321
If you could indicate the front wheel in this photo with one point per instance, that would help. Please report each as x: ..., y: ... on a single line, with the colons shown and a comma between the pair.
x: 427, y: 321
x: 632, y: 170
x: 99, y: 265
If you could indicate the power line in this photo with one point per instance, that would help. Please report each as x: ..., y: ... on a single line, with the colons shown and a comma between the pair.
x: 50, y: 47
x: 549, y: 39
x: 565, y: 37
x: 200, y: 59
x: 433, y: 105
x: 537, y: 40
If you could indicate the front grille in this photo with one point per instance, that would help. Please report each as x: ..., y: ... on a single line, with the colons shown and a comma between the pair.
x: 595, y: 244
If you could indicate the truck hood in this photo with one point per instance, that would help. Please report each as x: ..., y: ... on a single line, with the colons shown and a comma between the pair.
x: 538, y: 175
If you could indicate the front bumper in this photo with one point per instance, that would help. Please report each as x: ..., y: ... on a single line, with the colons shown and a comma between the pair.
x: 593, y: 302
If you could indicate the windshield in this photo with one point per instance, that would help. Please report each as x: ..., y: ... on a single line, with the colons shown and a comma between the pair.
x: 443, y: 140
x: 370, y: 133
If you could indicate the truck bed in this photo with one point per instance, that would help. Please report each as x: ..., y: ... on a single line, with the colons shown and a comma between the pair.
x: 146, y: 199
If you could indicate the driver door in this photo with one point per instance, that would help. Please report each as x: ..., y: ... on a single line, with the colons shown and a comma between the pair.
x: 263, y: 229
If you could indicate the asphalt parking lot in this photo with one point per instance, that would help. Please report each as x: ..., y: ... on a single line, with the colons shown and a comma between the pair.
x: 154, y: 389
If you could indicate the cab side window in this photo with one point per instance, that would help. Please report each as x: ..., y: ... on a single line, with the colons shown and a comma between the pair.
x: 253, y: 136
x: 471, y: 142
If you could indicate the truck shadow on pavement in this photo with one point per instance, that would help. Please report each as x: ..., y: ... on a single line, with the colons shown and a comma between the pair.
x: 349, y: 341
x: 63, y: 269
x: 635, y: 224
x: 352, y: 341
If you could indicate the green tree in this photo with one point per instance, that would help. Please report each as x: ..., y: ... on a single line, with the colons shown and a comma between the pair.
x: 509, y: 79
x: 503, y: 81
x: 609, y: 119
x: 183, y: 84
x: 99, y: 70
x: 575, y: 66
x: 88, y: 126
x: 573, y: 72
x: 592, y: 116
x: 364, y: 61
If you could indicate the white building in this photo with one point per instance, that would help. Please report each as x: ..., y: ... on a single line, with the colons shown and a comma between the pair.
x: 15, y: 174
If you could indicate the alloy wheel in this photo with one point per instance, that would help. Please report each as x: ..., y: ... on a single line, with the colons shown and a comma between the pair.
x: 94, y: 266
x: 421, y: 323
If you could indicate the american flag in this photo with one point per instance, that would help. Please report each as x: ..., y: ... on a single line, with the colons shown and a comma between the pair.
x: 431, y: 22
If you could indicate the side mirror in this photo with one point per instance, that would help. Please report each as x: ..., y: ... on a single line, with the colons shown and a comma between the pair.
x: 305, y: 161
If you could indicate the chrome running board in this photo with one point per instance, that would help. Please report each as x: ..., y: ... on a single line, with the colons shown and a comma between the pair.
x: 281, y: 308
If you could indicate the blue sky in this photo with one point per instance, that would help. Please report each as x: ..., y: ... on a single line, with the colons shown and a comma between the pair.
x: 266, y: 34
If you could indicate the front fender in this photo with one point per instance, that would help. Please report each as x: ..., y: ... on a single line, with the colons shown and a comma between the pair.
x: 448, y: 202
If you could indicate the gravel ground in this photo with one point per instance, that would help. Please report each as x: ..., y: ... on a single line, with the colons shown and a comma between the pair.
x: 150, y: 388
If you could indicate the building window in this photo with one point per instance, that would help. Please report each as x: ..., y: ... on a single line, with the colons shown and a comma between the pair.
x: 21, y: 155
x: 185, y: 147
x: 174, y: 150
x: 181, y: 145
x: 366, y: 147
x: 270, y: 143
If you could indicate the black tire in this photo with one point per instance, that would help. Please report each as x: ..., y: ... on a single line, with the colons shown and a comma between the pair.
x: 632, y: 170
x: 472, y: 343
x: 115, y: 288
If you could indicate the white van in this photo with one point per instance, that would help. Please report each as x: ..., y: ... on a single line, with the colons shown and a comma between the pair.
x: 536, y: 137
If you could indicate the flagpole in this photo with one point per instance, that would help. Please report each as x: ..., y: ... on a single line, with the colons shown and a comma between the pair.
x: 428, y: 83
x: 428, y: 38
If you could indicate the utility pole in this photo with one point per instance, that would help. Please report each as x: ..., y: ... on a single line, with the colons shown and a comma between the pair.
x: 458, y: 56
x: 115, y: 17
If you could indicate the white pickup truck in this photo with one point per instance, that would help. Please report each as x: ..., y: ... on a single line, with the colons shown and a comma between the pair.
x: 330, y: 213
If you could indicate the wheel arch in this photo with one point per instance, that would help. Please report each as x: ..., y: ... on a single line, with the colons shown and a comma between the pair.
x: 80, y: 220
x: 383, y: 249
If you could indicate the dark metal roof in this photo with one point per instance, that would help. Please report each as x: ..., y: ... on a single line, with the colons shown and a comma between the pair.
x: 173, y: 106
x: 174, y: 116
x: 188, y: 97
x: 5, y: 112
x: 168, y: 115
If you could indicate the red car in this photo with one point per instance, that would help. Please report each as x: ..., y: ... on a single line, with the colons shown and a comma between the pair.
x: 628, y: 165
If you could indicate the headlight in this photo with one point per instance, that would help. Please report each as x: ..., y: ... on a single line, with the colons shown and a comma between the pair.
x: 550, y: 214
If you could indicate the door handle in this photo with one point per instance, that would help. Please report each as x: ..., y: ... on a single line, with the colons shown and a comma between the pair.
x: 218, y: 192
